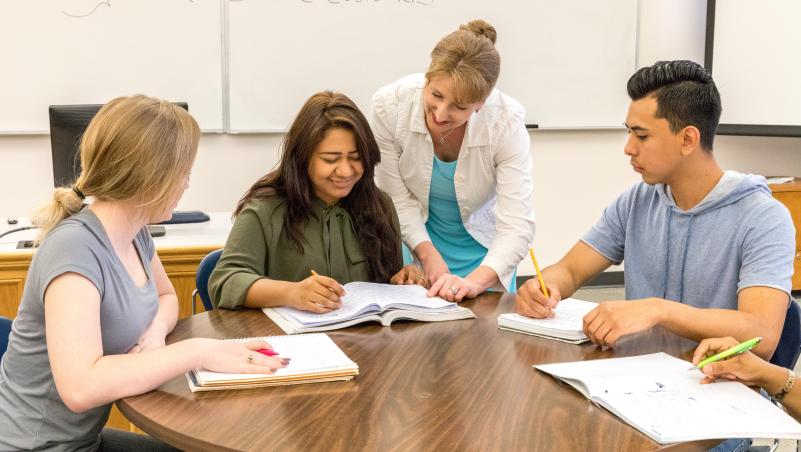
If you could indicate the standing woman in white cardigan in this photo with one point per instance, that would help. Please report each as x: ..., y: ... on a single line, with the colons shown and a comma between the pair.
x: 455, y: 160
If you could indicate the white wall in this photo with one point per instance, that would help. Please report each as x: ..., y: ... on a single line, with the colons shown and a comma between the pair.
x: 576, y: 172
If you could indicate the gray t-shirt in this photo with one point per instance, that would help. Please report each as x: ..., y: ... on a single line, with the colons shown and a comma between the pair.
x: 32, y: 414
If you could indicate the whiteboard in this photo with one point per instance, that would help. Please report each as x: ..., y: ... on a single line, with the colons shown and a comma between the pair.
x: 90, y: 51
x: 757, y: 61
x: 566, y: 61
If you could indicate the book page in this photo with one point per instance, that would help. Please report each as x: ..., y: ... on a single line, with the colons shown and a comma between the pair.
x: 568, y: 316
x: 310, y: 353
x: 363, y: 298
x: 390, y: 295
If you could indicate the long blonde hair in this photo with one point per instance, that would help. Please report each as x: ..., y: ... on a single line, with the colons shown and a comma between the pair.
x: 136, y: 148
x: 469, y: 56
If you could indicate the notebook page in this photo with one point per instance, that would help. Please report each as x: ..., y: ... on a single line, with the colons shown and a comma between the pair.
x: 682, y: 409
x: 568, y: 316
x: 310, y: 353
x: 362, y: 298
x: 659, y: 395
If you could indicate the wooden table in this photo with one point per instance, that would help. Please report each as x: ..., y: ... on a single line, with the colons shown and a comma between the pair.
x: 460, y: 385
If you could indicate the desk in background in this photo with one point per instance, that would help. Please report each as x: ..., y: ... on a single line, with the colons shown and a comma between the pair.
x: 789, y: 194
x: 459, y: 385
x: 180, y: 250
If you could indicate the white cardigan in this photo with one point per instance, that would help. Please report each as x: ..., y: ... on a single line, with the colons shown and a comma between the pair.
x: 492, y: 179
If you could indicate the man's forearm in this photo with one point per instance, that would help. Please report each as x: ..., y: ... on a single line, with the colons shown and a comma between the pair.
x: 698, y: 324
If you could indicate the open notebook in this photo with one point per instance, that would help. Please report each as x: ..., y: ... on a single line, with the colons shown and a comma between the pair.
x: 366, y: 302
x: 565, y: 325
x: 315, y: 358
x: 659, y: 396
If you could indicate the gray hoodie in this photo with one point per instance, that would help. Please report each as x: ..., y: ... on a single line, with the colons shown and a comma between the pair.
x: 738, y: 236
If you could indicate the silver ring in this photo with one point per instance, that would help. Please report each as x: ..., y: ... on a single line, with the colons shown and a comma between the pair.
x: 454, y: 290
x: 250, y: 359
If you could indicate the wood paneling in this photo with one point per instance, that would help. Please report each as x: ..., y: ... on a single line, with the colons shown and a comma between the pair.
x: 13, y: 271
x: 789, y: 194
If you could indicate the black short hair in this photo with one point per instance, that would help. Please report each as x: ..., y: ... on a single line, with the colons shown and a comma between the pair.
x: 685, y: 95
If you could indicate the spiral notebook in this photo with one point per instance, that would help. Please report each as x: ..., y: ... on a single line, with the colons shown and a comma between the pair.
x: 566, y: 325
x: 315, y: 358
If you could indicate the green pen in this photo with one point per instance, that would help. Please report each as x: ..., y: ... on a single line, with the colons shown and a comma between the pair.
x: 736, y: 350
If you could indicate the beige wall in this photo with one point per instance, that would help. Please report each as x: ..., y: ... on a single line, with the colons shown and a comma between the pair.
x: 576, y: 172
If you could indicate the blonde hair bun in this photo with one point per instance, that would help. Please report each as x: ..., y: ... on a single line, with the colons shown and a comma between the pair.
x: 481, y: 28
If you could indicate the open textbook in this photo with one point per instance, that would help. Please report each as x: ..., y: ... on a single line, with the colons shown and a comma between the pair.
x: 314, y: 358
x: 365, y: 302
x: 659, y: 396
x: 565, y: 325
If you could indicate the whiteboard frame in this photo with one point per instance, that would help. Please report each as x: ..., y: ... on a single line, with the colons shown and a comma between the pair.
x: 763, y: 130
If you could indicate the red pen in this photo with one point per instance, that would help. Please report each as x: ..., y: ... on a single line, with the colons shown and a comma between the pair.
x: 267, y: 351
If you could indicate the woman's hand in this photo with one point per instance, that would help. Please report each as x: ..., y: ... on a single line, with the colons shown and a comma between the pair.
x: 434, y: 266
x: 745, y: 367
x: 409, y: 275
x: 152, y: 338
x: 319, y: 294
x: 453, y: 288
x: 241, y: 358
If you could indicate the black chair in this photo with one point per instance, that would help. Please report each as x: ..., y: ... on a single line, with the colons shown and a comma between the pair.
x: 5, y: 330
x: 202, y: 280
x: 786, y: 354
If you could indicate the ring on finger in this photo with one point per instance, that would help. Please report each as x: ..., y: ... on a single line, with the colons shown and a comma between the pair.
x: 454, y: 290
x: 250, y: 359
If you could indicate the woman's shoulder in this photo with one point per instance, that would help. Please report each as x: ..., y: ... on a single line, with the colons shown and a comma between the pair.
x: 399, y: 91
x: 504, y: 115
x: 72, y: 243
x: 77, y: 231
x: 503, y: 108
x: 265, y: 207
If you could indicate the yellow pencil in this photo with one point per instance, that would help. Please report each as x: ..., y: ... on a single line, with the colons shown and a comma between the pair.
x: 539, y: 273
x: 314, y: 273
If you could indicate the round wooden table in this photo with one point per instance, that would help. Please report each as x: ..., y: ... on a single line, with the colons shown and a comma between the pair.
x: 460, y: 385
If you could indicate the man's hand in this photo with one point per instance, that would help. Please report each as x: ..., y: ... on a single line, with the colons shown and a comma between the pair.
x: 611, y: 320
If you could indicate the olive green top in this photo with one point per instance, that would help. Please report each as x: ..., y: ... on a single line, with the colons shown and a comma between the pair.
x: 259, y: 247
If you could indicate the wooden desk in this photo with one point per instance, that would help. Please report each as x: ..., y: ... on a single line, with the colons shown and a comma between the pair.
x: 789, y: 194
x: 180, y: 251
x: 460, y: 385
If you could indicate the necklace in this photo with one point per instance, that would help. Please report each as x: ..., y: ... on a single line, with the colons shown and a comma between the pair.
x: 442, y: 136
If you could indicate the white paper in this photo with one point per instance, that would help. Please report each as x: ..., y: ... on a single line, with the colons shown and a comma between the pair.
x: 658, y: 395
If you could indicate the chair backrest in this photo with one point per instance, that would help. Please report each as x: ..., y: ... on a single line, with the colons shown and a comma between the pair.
x: 786, y: 354
x: 202, y: 277
x: 5, y: 330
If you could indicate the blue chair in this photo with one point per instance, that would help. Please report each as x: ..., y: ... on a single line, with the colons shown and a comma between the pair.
x: 5, y: 330
x: 202, y: 280
x: 786, y: 354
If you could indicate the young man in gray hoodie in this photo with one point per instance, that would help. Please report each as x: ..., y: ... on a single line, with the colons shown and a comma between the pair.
x: 709, y: 253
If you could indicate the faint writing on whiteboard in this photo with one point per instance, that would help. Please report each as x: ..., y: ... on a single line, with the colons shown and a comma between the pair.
x: 88, y: 13
x: 343, y: 2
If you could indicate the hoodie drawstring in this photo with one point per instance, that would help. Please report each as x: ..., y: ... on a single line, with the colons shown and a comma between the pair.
x: 683, y: 257
x: 667, y: 255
